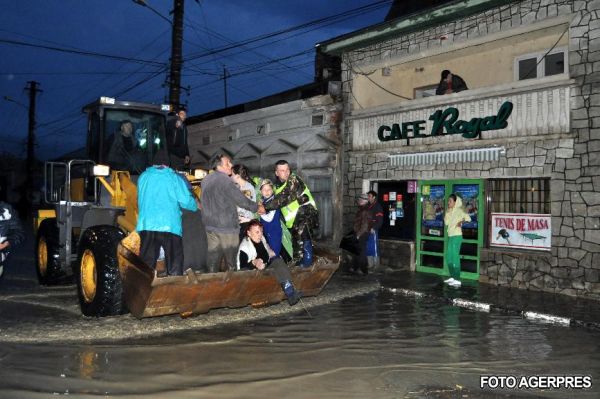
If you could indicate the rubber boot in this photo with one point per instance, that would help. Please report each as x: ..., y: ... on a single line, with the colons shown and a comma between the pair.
x: 292, y: 295
x: 307, y: 253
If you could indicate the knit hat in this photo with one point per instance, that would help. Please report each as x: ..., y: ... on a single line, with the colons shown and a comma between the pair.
x: 363, y: 197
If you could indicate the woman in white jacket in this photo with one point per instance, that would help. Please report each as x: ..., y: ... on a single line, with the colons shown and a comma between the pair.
x: 255, y: 253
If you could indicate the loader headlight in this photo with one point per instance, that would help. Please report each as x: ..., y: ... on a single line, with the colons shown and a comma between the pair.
x: 107, y: 100
x: 200, y: 173
x: 101, y: 170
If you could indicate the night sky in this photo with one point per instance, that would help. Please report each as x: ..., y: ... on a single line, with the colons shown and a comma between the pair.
x: 130, y: 47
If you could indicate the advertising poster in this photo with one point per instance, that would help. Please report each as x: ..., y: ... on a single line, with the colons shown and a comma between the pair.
x: 469, y: 194
x: 433, y: 206
x: 412, y: 187
x: 521, y: 230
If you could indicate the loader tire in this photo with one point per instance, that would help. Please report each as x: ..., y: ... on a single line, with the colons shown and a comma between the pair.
x: 49, y: 268
x: 97, y: 272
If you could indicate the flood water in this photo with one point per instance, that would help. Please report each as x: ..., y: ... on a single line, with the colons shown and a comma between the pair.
x: 379, y: 345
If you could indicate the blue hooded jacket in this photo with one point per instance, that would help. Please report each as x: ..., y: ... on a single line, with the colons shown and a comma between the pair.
x: 161, y: 195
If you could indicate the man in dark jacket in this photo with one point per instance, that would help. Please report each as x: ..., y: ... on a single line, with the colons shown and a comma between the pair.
x: 299, y: 210
x: 177, y: 141
x: 220, y: 198
x: 375, y: 223
x: 361, y: 231
x: 11, y: 232
x: 450, y: 83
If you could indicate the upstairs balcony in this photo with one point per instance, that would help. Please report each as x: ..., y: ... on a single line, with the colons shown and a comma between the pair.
x: 540, y: 107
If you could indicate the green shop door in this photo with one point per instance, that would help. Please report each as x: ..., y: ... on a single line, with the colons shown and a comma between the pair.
x: 432, y: 239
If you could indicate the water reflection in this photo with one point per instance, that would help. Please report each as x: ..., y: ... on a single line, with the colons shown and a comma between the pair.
x: 379, y: 345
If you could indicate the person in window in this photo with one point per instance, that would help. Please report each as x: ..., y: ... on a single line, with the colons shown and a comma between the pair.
x: 123, y: 153
x: 255, y: 253
x: 450, y: 83
x: 454, y: 219
x: 177, y: 141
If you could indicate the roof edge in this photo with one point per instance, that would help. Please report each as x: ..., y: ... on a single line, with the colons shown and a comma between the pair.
x: 412, y: 22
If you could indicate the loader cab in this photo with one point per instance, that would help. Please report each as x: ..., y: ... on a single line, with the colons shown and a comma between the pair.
x: 126, y: 135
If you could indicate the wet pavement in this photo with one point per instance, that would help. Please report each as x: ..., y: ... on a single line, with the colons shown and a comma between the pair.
x: 560, y: 309
x: 374, y: 345
x: 390, y: 335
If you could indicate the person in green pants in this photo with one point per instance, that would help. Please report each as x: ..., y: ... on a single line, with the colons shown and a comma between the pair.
x: 454, y: 219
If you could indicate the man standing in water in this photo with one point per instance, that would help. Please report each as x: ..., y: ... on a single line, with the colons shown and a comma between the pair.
x: 299, y: 210
x: 375, y: 223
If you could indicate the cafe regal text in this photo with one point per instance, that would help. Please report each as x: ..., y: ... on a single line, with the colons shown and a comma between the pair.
x: 447, y: 122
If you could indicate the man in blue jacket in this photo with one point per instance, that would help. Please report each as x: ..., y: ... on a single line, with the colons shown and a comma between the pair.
x: 161, y: 196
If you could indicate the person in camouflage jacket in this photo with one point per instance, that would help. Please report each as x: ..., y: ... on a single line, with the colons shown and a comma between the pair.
x: 299, y: 210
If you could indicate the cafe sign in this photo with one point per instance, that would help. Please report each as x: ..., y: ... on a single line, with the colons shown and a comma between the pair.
x: 446, y: 122
x: 521, y: 230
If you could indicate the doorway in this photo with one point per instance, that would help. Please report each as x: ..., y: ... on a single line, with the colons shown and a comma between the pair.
x: 432, y: 239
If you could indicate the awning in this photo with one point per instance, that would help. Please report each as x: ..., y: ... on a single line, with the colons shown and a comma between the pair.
x: 446, y: 157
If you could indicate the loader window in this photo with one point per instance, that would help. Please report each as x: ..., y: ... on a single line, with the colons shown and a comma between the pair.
x: 132, y: 138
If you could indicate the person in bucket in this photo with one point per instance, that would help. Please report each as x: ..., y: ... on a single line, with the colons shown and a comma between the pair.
x: 255, y: 253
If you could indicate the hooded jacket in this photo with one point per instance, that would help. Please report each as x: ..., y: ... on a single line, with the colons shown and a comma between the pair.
x: 161, y: 195
x: 454, y: 216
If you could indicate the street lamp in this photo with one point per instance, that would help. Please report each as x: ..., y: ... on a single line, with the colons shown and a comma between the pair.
x: 7, y: 98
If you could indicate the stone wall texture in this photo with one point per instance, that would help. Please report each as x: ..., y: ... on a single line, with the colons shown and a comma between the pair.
x: 571, y: 160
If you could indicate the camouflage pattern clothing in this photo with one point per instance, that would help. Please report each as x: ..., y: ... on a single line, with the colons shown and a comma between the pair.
x: 306, y: 220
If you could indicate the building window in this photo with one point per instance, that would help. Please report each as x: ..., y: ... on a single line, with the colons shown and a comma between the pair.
x: 535, y: 65
x: 519, y: 195
x: 317, y: 120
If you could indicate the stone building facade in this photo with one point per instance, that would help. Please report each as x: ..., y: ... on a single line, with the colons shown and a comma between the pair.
x: 507, y: 51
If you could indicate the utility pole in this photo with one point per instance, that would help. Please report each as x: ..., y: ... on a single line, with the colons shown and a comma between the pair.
x: 32, y: 87
x: 225, y: 76
x: 176, y: 54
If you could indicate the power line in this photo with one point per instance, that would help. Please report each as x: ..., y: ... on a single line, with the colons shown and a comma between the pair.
x: 81, y: 52
x: 353, y: 12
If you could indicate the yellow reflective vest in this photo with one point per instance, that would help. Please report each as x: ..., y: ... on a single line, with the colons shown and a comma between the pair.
x: 290, y: 211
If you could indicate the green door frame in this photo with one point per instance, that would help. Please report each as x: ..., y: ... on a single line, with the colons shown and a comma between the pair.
x: 448, y: 184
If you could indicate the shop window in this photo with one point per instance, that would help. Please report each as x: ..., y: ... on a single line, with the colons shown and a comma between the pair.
x: 519, y: 195
x: 519, y: 214
x: 399, y: 209
x: 538, y: 65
